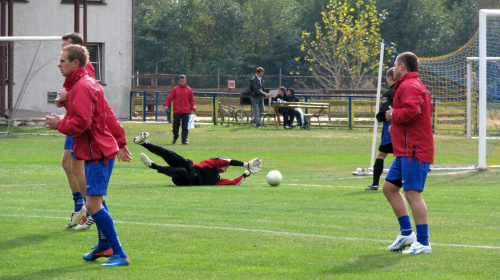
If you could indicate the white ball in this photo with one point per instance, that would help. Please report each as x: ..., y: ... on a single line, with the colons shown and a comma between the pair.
x: 274, y: 178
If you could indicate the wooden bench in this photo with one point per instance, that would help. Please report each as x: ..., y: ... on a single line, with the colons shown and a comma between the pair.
x: 319, y: 109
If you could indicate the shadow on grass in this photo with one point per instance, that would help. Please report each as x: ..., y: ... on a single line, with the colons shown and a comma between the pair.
x: 367, y: 263
x: 52, y: 273
x: 26, y: 240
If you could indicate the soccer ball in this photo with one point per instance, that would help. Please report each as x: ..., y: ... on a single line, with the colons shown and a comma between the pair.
x: 274, y: 178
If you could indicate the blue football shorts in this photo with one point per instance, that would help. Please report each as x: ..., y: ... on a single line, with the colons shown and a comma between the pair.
x: 97, y: 175
x: 412, y: 174
x: 68, y: 145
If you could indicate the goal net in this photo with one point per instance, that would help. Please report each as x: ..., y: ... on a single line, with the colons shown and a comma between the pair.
x: 31, y: 83
x: 454, y: 82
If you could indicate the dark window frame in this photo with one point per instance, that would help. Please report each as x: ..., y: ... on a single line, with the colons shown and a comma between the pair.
x: 88, y: 1
x: 99, y: 63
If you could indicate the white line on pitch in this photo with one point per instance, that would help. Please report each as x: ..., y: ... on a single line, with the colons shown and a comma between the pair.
x: 259, y: 231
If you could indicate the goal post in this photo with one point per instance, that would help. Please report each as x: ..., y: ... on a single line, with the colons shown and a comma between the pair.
x: 31, y: 79
x: 465, y: 89
x: 484, y: 14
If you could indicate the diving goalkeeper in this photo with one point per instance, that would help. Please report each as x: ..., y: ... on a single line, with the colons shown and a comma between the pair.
x: 186, y: 173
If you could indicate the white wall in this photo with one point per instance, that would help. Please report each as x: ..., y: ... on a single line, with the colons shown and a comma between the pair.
x: 109, y: 23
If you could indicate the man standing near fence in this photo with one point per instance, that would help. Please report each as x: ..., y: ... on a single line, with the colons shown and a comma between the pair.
x: 257, y: 95
x: 183, y: 99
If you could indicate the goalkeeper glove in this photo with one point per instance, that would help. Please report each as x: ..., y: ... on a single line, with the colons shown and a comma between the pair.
x: 255, y: 165
x: 246, y: 173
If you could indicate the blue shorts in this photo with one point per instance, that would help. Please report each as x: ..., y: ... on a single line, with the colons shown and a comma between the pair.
x: 97, y: 176
x: 68, y: 145
x: 410, y: 174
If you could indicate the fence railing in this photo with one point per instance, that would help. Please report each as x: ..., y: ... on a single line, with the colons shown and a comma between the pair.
x: 217, y: 108
x: 348, y: 111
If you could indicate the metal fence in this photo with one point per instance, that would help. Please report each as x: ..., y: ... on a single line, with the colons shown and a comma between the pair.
x: 349, y: 111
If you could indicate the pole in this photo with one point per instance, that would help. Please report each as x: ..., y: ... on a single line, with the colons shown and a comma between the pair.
x: 377, y: 103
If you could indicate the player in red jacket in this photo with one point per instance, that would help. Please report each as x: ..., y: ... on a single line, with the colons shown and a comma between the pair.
x: 413, y: 147
x: 183, y: 99
x: 99, y: 138
x: 186, y: 173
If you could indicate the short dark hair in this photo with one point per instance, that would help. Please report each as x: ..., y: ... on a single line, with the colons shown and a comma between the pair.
x: 410, y: 60
x: 181, y: 77
x: 76, y: 38
x: 390, y: 73
x: 77, y: 52
x: 259, y: 70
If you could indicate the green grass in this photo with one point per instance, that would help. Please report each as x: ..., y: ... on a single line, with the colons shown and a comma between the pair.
x: 318, y: 224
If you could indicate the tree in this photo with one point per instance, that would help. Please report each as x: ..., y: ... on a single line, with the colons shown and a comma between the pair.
x: 344, y: 48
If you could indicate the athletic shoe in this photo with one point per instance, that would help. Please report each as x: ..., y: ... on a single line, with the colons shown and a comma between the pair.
x: 174, y: 140
x: 287, y: 127
x: 185, y: 142
x: 417, y: 248
x: 98, y: 253
x: 85, y: 223
x: 293, y: 125
x: 362, y: 172
x: 76, y: 217
x: 259, y: 126
x: 372, y: 188
x: 146, y: 160
x: 141, y: 139
x: 116, y: 261
x: 402, y: 241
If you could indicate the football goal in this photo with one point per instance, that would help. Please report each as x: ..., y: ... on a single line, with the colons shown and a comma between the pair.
x: 31, y: 80
x: 465, y: 88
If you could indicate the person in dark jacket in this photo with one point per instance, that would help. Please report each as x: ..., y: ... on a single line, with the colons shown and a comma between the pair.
x: 286, y: 112
x: 183, y: 99
x: 297, y: 112
x: 186, y: 173
x: 257, y: 95
x: 385, y: 146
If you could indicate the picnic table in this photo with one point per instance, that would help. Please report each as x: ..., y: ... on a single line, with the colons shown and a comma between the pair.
x: 314, y: 110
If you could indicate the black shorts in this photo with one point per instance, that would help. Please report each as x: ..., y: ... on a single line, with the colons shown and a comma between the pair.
x: 386, y: 149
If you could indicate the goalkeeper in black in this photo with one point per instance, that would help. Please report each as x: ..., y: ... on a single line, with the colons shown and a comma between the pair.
x: 186, y: 173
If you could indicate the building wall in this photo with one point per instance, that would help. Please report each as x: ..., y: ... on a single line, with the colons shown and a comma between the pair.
x: 109, y: 23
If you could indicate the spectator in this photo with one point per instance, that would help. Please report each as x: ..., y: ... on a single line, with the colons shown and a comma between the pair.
x: 286, y: 112
x: 301, y: 120
x: 257, y: 95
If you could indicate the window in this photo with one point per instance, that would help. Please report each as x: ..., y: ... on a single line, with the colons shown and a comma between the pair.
x: 96, y: 51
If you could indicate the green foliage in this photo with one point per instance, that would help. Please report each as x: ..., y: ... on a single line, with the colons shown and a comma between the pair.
x: 319, y: 224
x: 342, y: 50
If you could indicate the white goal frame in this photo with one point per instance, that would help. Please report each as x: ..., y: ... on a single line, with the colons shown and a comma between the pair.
x: 483, y: 15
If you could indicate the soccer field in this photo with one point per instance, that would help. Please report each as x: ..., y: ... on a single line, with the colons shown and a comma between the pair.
x: 319, y: 223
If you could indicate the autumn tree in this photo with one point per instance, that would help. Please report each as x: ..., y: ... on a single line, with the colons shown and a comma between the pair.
x: 344, y: 48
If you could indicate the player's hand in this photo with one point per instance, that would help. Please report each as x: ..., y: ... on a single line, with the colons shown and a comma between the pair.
x: 62, y: 94
x: 124, y: 154
x: 388, y: 114
x: 52, y: 121
x: 246, y: 173
x: 255, y: 165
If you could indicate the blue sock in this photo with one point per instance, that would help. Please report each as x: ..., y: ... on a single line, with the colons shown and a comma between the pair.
x: 405, y: 225
x: 423, y: 234
x: 106, y: 228
x: 79, y: 201
x: 105, y: 205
